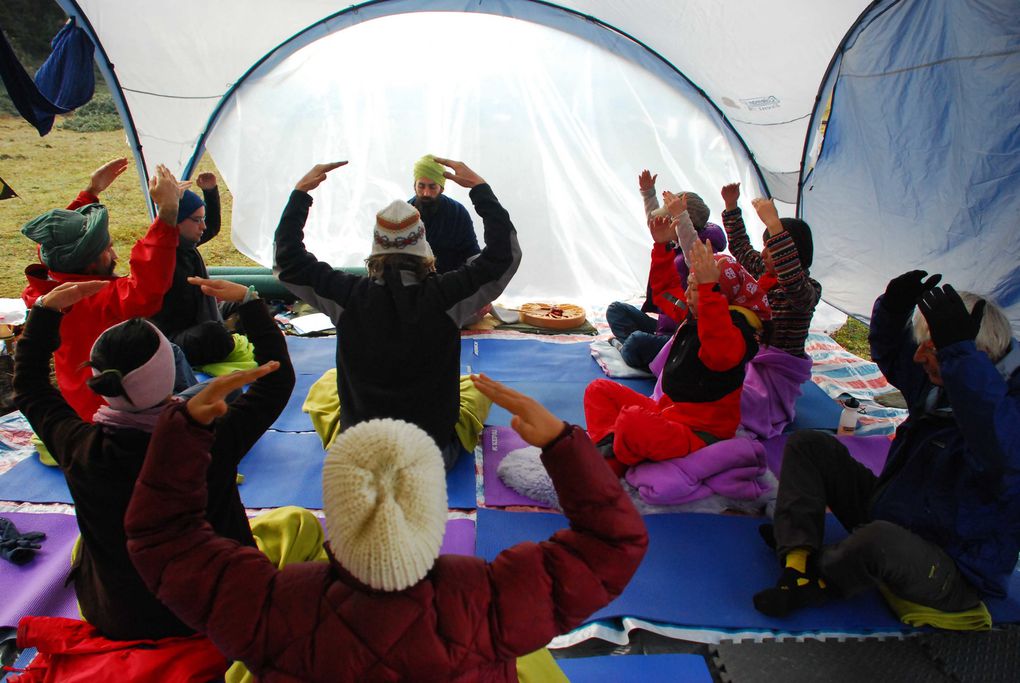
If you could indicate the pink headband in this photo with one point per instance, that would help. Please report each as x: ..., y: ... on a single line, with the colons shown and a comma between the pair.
x: 148, y: 385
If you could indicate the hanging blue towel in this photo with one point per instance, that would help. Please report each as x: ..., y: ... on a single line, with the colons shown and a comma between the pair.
x: 64, y: 82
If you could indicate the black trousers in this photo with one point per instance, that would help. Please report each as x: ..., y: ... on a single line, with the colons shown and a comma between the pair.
x: 818, y: 472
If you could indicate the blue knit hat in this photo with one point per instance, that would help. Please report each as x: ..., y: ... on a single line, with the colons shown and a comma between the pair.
x: 188, y: 205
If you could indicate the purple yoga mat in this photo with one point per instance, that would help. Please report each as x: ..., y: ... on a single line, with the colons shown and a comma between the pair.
x: 496, y: 443
x: 459, y: 538
x: 870, y: 451
x: 37, y: 587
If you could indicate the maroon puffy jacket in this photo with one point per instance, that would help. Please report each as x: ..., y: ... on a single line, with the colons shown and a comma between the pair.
x: 467, y: 620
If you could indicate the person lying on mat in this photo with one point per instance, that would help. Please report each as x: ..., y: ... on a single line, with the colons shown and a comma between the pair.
x: 641, y: 336
x: 781, y: 267
x: 386, y: 605
x: 398, y: 344
x: 940, y: 526
x: 188, y: 317
x: 720, y: 316
x: 75, y: 246
x: 132, y: 367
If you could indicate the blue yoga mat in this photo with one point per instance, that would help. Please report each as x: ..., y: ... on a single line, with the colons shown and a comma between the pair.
x: 702, y: 570
x: 815, y: 409
x: 292, y: 419
x: 32, y: 482
x: 285, y: 468
x: 664, y: 668
x: 312, y: 355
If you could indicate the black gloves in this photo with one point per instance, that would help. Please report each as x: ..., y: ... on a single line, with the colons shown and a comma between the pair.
x: 15, y: 546
x: 947, y: 316
x: 903, y: 292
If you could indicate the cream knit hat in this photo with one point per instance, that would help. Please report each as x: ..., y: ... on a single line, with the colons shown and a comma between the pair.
x: 384, y: 497
x: 399, y: 230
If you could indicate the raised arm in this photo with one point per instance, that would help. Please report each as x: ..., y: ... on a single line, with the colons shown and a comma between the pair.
x: 52, y: 419
x: 307, y: 277
x: 101, y: 179
x: 890, y: 336
x: 646, y: 184
x: 722, y: 344
x: 663, y: 279
x: 251, y: 414
x: 545, y: 589
x: 785, y: 259
x: 467, y: 289
x: 733, y: 222
x: 211, y: 196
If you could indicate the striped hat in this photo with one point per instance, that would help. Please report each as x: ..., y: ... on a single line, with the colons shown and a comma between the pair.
x: 399, y: 230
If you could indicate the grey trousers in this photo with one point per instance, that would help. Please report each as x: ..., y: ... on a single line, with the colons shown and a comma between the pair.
x: 818, y: 471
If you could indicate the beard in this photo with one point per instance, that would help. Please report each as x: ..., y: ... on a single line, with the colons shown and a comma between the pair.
x: 427, y: 205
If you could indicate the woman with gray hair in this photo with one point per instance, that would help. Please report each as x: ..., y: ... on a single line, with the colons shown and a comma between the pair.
x: 940, y: 526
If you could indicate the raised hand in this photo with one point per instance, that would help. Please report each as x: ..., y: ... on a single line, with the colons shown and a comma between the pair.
x: 65, y: 295
x: 210, y: 403
x: 224, y: 290
x: 531, y: 419
x: 766, y: 209
x: 104, y: 176
x: 903, y: 291
x: 661, y: 228
x: 462, y: 175
x: 948, y: 319
x: 730, y: 195
x: 206, y: 181
x: 674, y: 204
x: 314, y: 177
x: 702, y: 262
x: 646, y: 181
x: 165, y: 191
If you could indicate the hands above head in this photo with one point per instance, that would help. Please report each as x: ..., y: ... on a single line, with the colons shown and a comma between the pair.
x: 462, y: 175
x: 165, y: 191
x: 67, y: 294
x: 210, y: 403
x: 206, y: 181
x: 948, y: 319
x: 730, y: 195
x: 703, y: 264
x: 767, y: 213
x: 531, y: 420
x: 646, y: 181
x: 224, y: 290
x: 314, y: 177
x: 674, y: 204
x: 104, y: 176
x: 903, y: 291
x: 661, y: 228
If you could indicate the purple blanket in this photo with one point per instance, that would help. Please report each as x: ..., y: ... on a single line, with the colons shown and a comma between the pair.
x: 772, y: 385
x: 732, y: 468
x: 37, y: 587
x: 496, y: 443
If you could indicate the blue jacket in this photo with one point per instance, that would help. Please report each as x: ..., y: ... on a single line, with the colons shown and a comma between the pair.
x: 450, y: 233
x: 953, y: 475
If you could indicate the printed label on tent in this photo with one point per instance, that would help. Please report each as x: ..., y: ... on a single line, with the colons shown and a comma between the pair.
x: 761, y: 103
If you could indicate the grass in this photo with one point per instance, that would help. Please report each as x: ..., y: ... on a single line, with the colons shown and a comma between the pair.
x: 853, y: 337
x: 48, y: 172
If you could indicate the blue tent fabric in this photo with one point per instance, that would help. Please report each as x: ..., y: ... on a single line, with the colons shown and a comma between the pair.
x: 923, y: 140
x: 64, y: 82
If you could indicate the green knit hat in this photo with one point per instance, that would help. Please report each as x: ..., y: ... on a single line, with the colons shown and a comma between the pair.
x: 428, y: 167
x: 70, y: 240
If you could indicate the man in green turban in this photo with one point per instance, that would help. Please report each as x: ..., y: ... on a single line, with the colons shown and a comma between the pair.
x: 448, y: 227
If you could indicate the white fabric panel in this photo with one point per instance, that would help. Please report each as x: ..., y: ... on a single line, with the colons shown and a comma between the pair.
x: 560, y: 130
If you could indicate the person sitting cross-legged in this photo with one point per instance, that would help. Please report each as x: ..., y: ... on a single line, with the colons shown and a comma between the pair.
x: 940, y: 526
x: 387, y: 605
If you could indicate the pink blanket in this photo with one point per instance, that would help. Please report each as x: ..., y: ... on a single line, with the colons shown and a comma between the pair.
x: 734, y: 468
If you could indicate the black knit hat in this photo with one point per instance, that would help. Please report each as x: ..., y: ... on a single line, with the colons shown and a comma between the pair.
x: 801, y: 234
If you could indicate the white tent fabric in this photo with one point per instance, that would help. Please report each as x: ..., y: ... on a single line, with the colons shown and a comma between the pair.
x: 559, y: 106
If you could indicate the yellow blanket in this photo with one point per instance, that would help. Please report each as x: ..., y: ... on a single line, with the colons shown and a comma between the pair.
x: 912, y: 614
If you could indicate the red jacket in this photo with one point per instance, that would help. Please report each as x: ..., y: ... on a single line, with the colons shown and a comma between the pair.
x: 467, y: 620
x: 71, y: 651
x: 140, y: 294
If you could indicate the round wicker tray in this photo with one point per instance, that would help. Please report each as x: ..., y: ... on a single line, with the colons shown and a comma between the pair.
x: 553, y: 316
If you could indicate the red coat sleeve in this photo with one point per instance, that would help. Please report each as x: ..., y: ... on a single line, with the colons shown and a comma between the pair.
x: 667, y: 292
x: 140, y: 293
x: 83, y: 199
x: 722, y: 344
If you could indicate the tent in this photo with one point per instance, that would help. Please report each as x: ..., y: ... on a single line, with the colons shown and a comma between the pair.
x: 892, y: 127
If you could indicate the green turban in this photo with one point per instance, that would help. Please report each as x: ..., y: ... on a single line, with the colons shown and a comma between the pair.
x: 428, y: 167
x: 70, y: 240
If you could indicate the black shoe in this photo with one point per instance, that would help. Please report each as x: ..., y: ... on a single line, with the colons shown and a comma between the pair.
x: 768, y: 534
x: 793, y: 591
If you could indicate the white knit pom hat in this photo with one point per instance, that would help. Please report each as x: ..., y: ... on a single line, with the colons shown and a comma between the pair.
x: 384, y: 497
x: 399, y: 230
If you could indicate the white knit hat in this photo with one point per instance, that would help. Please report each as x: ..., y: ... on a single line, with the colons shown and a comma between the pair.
x: 399, y: 230
x: 384, y: 497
